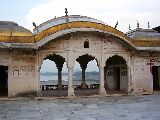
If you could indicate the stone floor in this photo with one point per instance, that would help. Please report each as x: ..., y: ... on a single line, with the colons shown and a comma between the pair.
x: 145, y: 107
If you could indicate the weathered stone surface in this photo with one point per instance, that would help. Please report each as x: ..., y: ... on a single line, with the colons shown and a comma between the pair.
x: 121, y: 108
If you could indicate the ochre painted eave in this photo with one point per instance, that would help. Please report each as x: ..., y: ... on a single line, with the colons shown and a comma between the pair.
x: 79, y: 24
x: 17, y: 39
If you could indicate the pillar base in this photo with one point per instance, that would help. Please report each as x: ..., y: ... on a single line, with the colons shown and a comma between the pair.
x: 39, y: 94
x: 71, y: 92
x: 59, y: 87
x: 102, y: 91
x: 84, y: 86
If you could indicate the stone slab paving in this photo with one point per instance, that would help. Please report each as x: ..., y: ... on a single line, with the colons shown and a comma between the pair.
x: 146, y: 107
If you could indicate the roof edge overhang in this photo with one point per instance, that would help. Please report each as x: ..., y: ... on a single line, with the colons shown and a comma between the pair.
x: 4, y: 45
x: 148, y: 48
x: 18, y: 45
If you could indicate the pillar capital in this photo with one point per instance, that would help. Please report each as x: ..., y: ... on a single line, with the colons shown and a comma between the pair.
x: 102, y: 63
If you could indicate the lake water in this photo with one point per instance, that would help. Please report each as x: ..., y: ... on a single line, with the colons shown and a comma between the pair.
x: 46, y: 78
x: 53, y: 80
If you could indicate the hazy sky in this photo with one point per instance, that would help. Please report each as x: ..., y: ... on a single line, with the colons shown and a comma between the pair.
x: 126, y: 12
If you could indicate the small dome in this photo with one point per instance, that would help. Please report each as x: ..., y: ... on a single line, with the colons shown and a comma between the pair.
x: 144, y: 35
x: 9, y: 28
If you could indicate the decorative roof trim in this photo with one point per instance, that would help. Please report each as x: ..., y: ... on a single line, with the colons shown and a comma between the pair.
x: 79, y: 24
x: 62, y: 20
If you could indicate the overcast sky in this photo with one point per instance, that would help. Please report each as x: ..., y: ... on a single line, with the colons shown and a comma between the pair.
x: 126, y: 12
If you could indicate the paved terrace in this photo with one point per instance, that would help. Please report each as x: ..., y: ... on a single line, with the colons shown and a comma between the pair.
x: 145, y: 107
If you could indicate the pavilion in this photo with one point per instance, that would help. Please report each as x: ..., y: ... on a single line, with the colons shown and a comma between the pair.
x: 127, y: 62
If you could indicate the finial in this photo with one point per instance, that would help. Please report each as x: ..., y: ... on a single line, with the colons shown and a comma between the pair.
x: 116, y: 25
x: 66, y: 12
x: 148, y: 25
x: 129, y: 27
x: 34, y: 24
x: 137, y: 24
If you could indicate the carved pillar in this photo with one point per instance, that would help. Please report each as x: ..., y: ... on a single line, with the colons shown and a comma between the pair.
x: 70, y: 82
x: 83, y: 61
x: 102, y: 90
x: 83, y: 85
x: 59, y: 85
x: 129, y: 91
x: 39, y: 93
x: 129, y: 76
x: 59, y: 65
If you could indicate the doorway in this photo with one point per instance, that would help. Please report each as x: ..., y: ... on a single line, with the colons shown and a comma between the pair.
x: 116, y: 78
x: 3, y: 80
x: 156, y: 77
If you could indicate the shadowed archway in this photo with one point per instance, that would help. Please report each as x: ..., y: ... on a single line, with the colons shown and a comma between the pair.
x: 116, y: 77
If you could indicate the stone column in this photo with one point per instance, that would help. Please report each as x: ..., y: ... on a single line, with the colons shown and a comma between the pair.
x: 59, y: 85
x: 83, y: 85
x: 105, y: 78
x: 102, y: 90
x: 70, y: 82
x: 129, y: 91
x: 39, y: 93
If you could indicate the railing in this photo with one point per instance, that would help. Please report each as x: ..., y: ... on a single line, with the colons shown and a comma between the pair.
x: 65, y: 87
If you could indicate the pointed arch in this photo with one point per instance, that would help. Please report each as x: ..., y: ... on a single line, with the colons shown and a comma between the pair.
x: 116, y: 73
x: 116, y: 59
x: 88, y: 56
x: 123, y: 57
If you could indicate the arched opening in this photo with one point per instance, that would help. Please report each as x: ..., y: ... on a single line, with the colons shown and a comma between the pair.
x: 156, y: 77
x: 86, y: 77
x: 116, y: 78
x: 54, y: 76
x: 4, y: 81
x: 86, y: 44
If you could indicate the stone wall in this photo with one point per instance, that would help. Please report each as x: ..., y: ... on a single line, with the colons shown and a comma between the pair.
x: 142, y: 78
x: 21, y: 71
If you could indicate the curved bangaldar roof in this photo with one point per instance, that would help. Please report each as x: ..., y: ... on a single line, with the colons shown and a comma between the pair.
x: 73, y: 23
x: 145, y: 37
x: 64, y: 19
x: 9, y: 28
x: 12, y: 32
